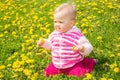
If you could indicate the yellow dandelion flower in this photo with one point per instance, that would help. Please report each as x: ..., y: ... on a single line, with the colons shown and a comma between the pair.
x: 6, y: 26
x: 84, y: 25
x: 18, y: 22
x: 101, y: 11
x: 43, y: 6
x: 35, y: 74
x: 118, y: 54
x: 110, y: 79
x: 24, y: 57
x: 110, y: 6
x: 24, y: 10
x: 25, y: 37
x: 3, y: 41
x: 38, y: 54
x: 99, y: 38
x: 16, y: 64
x: 32, y: 66
x: 9, y: 65
x: 32, y: 78
x: 1, y: 75
x: 2, y: 67
x: 50, y: 13
x: 29, y: 53
x: 23, y: 44
x: 1, y: 35
x: 119, y: 38
x: 13, y: 56
x: 31, y: 31
x: 1, y: 26
x: 35, y: 17
x: 13, y: 33
x: 84, y: 31
x: 88, y: 76
x: 84, y: 20
x: 27, y: 72
x: 103, y: 79
x: 30, y: 61
x: 95, y: 9
x: 118, y: 46
x: 14, y: 76
x: 21, y: 62
x: 116, y: 69
x: 112, y: 55
x: 30, y: 47
x: 112, y: 65
x: 23, y: 49
x: 29, y: 41
x: 16, y: 53
x: 9, y: 58
x: 89, y: 17
x: 20, y: 69
x: 5, y: 32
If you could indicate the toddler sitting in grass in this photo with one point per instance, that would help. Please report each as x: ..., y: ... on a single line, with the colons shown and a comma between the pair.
x: 68, y: 45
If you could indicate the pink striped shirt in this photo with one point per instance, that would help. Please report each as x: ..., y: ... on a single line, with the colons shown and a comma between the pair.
x: 61, y: 45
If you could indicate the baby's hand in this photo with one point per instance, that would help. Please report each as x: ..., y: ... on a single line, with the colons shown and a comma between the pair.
x: 41, y: 42
x: 78, y: 48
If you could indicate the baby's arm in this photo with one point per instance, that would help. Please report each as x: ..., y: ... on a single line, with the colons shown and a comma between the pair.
x: 84, y: 46
x: 45, y: 43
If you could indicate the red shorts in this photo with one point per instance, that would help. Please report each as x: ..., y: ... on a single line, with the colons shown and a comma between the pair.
x: 79, y: 69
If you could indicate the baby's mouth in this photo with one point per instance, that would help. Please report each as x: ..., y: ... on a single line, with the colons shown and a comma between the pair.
x: 58, y: 29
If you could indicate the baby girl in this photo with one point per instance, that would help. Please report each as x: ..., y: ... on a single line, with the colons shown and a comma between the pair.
x: 68, y: 45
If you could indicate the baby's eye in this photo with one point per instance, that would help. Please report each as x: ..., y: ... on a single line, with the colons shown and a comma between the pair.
x: 60, y: 21
x: 55, y: 21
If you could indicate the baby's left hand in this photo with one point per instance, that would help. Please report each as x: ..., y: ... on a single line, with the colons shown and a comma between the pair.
x: 41, y: 42
x: 78, y: 48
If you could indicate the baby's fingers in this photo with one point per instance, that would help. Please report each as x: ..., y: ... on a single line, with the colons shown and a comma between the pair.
x: 40, y: 42
x: 74, y: 48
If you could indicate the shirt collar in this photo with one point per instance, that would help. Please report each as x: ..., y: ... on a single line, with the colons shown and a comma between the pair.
x: 74, y: 28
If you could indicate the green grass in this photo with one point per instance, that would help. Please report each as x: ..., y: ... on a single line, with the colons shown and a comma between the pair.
x: 23, y: 22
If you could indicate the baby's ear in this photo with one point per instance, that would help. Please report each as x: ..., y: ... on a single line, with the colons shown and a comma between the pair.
x: 73, y: 22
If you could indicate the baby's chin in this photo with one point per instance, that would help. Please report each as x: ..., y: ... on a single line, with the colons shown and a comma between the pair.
x: 61, y: 31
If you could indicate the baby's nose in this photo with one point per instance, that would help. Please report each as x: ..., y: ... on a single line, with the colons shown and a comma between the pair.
x: 57, y: 27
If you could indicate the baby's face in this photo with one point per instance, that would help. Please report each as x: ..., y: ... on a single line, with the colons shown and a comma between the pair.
x: 63, y: 22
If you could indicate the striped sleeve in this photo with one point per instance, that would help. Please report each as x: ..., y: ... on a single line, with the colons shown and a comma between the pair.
x: 87, y: 45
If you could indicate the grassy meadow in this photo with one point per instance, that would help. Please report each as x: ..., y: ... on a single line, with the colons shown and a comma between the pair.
x: 23, y: 22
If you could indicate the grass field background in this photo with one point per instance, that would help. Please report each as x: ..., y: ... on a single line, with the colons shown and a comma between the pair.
x: 23, y: 22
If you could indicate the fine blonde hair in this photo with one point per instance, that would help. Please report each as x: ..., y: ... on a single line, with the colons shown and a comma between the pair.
x: 72, y: 9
